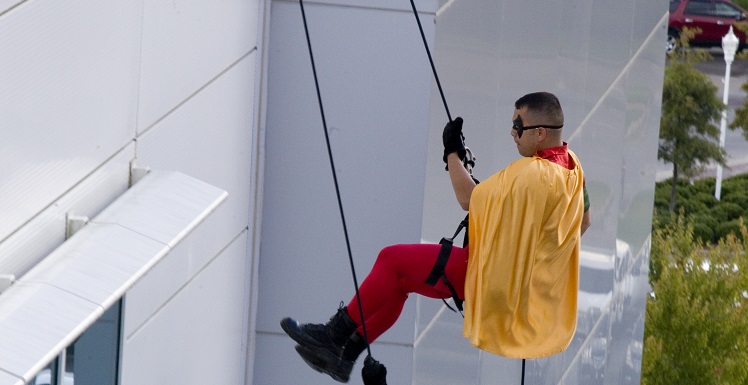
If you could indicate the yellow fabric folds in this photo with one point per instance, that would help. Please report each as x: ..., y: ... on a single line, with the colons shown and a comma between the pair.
x: 523, y: 273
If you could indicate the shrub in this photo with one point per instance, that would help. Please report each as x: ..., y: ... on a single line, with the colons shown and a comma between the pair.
x: 661, y: 204
x: 727, y: 211
x: 734, y: 186
x: 703, y: 232
x: 738, y: 197
x: 726, y: 228
x: 693, y: 206
x: 711, y: 219
x: 706, y: 198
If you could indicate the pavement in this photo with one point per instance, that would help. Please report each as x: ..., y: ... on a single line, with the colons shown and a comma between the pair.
x: 735, y: 145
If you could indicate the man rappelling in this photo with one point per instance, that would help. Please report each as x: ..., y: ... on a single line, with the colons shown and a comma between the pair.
x: 519, y: 274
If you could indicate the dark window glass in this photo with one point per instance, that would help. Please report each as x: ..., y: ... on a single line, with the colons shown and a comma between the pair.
x: 726, y: 10
x: 673, y: 5
x: 93, y: 358
x: 701, y: 8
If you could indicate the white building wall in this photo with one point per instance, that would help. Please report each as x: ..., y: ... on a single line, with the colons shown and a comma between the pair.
x: 375, y: 84
x: 185, y: 320
x: 89, y: 87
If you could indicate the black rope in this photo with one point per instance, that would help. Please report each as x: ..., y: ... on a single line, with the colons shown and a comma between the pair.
x: 428, y: 52
x: 523, y: 372
x: 334, y: 176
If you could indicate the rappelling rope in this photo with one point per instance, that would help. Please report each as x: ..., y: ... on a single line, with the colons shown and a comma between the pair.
x: 428, y: 52
x: 335, y: 178
x: 446, y: 108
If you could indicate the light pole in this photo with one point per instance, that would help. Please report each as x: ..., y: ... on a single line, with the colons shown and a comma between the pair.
x: 729, y: 47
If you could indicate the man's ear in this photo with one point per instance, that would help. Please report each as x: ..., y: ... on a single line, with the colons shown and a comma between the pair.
x: 542, y: 134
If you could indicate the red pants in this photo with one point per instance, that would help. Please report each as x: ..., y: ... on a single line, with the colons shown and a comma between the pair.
x: 398, y: 271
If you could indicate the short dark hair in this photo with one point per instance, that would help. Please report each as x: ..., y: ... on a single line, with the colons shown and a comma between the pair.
x: 544, y: 106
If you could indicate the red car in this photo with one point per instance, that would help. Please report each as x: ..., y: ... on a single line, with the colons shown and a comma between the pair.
x: 713, y: 17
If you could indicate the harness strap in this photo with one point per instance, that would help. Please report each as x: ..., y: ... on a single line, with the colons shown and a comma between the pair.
x: 437, y: 272
x: 441, y: 261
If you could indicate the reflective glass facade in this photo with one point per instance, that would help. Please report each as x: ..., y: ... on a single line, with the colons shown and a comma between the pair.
x: 603, y: 59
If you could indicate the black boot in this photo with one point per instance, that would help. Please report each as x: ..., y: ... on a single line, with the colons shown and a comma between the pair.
x: 326, y: 340
x: 340, y: 369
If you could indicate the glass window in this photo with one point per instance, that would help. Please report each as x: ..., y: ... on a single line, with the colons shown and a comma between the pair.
x: 92, y: 359
x: 726, y: 10
x: 702, y: 8
x: 48, y: 375
x: 674, y: 5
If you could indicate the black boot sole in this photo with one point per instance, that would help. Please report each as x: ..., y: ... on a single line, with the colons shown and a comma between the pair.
x: 321, y: 361
x: 293, y: 329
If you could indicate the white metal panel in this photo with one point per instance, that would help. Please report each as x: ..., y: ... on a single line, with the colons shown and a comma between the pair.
x: 187, y: 43
x: 185, y: 141
x: 69, y: 97
x: 7, y: 378
x: 37, y: 321
x: 392, y: 5
x: 63, y: 295
x: 116, y: 255
x: 164, y: 207
x: 46, y: 231
x: 375, y: 82
x: 196, y: 337
x: 170, y: 275
x: 210, y: 138
x: 5, y: 5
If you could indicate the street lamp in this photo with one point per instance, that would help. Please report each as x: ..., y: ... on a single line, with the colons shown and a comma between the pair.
x: 729, y: 47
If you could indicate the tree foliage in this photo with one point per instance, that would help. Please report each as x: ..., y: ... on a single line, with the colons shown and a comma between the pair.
x: 690, y: 108
x: 741, y: 115
x: 697, y: 317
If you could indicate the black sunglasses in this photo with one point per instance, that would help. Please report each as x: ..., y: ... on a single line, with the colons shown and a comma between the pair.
x: 517, y: 126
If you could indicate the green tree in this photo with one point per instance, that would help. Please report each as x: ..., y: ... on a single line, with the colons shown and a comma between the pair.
x: 697, y: 319
x: 742, y: 3
x: 690, y: 106
x: 741, y: 115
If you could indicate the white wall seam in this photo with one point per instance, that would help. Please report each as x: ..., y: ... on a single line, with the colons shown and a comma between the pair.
x: 156, y: 312
x: 12, y: 7
x: 191, y: 96
x: 73, y: 187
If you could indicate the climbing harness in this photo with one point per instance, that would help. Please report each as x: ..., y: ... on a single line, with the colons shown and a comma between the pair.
x: 437, y: 272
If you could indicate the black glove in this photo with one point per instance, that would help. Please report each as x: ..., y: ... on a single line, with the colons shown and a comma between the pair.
x: 453, y: 139
x: 373, y: 372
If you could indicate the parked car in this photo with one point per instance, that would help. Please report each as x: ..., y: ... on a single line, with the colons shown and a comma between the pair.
x: 713, y: 17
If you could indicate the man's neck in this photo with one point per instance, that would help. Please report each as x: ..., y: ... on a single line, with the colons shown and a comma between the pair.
x: 552, y: 144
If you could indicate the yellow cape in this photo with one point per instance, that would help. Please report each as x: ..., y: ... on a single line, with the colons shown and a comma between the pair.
x: 523, y: 273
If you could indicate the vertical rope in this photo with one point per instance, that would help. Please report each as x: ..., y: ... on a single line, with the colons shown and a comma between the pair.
x: 428, y: 53
x: 523, y: 372
x: 334, y: 176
